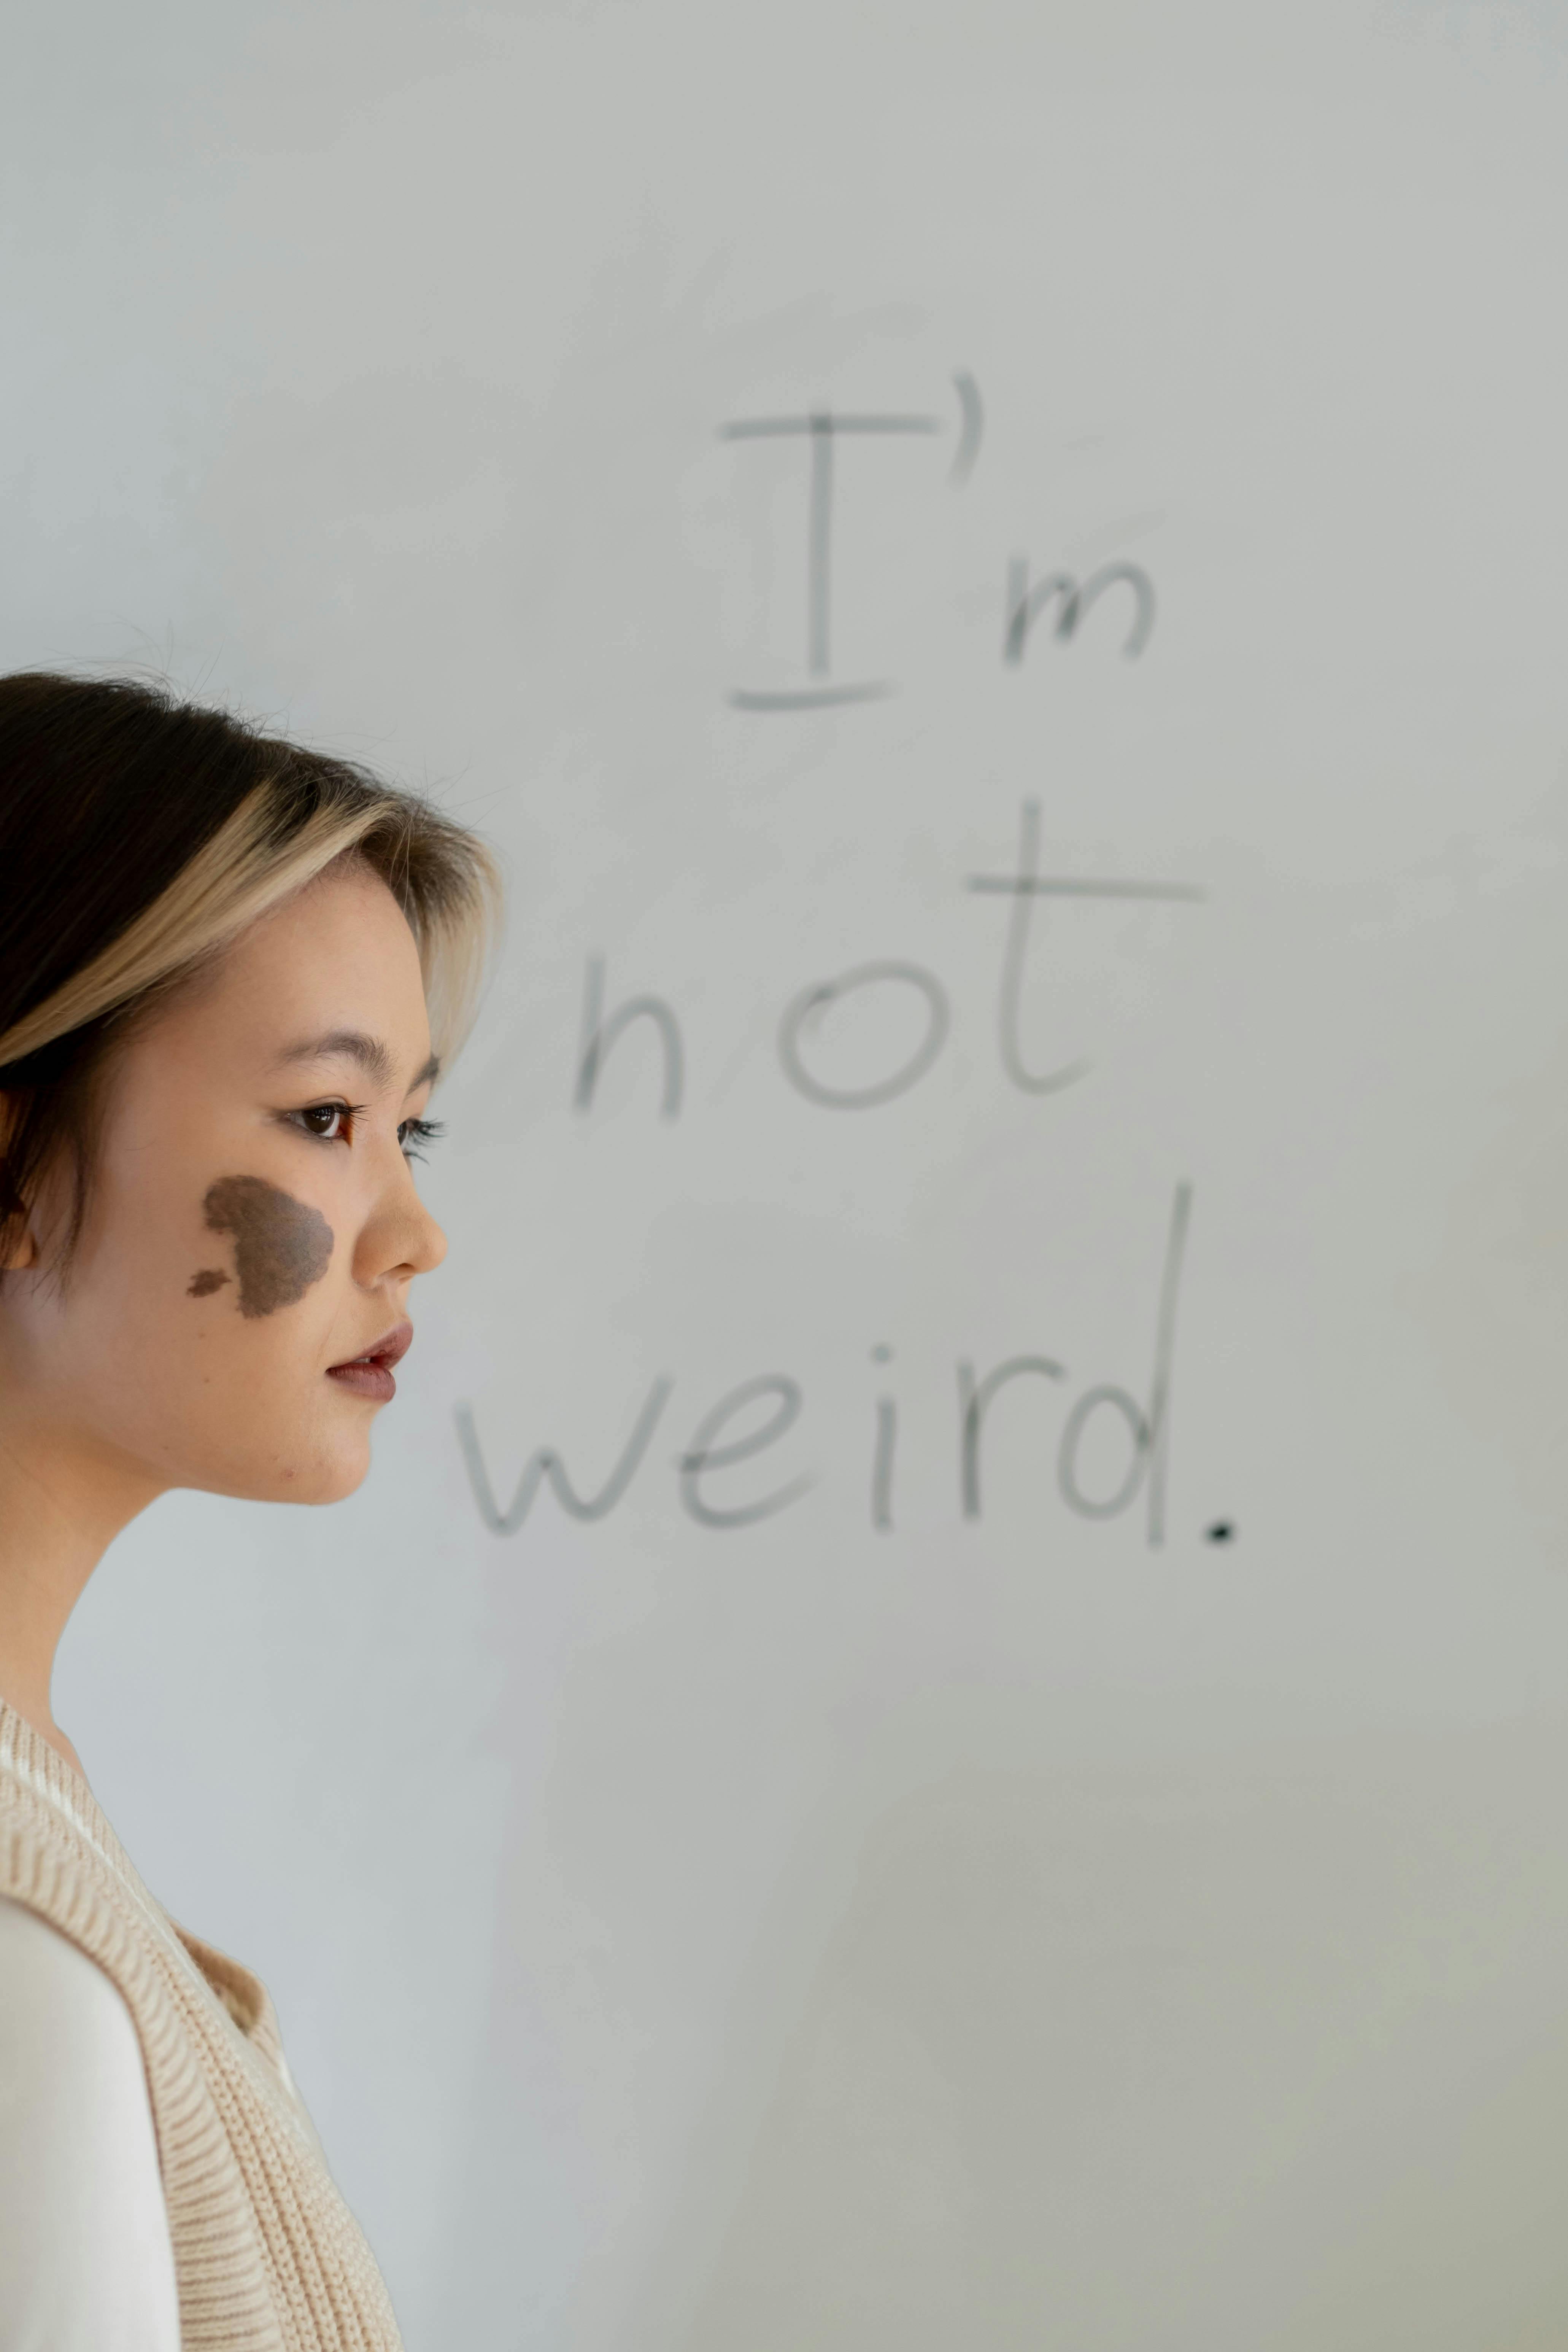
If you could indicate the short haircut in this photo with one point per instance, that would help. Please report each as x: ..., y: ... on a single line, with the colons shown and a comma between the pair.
x: 139, y: 834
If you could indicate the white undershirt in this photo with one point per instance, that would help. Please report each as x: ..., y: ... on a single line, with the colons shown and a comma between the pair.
x: 86, y: 2264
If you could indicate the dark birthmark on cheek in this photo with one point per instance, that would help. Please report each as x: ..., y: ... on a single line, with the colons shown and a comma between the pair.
x: 203, y: 1284
x: 281, y: 1245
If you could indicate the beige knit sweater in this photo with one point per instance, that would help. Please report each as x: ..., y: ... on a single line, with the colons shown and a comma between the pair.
x: 267, y: 2255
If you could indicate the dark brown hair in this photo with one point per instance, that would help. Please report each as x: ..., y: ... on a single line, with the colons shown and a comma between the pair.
x: 140, y: 834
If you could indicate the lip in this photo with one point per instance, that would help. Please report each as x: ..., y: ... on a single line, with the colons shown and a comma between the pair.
x: 370, y: 1373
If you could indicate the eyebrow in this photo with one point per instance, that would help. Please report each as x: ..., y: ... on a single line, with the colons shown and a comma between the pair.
x: 353, y: 1045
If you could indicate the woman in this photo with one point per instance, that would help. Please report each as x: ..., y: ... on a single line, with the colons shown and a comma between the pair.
x: 222, y: 963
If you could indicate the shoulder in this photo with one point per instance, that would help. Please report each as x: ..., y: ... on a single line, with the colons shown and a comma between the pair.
x: 45, y: 1981
x: 62, y: 2024
x: 84, y: 2236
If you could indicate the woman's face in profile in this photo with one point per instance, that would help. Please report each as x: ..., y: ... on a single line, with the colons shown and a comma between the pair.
x: 239, y: 1291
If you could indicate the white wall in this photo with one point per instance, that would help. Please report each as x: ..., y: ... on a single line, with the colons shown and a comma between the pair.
x: 1002, y: 1931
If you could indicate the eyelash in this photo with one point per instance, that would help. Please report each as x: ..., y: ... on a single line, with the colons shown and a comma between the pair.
x: 415, y: 1131
x: 411, y: 1133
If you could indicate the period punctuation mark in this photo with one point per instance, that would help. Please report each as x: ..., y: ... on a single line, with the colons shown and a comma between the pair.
x: 1027, y: 604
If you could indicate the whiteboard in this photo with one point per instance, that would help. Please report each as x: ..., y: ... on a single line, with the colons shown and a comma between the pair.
x: 995, y: 574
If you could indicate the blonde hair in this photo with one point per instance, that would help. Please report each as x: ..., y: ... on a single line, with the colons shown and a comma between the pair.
x: 442, y: 877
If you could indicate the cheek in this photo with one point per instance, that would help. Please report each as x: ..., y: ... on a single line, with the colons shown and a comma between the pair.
x: 194, y: 1326
x: 210, y: 1399
x: 197, y: 1340
x: 282, y: 1246
x: 181, y: 1259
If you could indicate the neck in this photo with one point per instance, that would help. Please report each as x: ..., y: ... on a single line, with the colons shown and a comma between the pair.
x: 63, y: 1499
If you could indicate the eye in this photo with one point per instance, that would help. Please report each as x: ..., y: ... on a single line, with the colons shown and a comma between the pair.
x: 333, y: 1121
x: 416, y: 1131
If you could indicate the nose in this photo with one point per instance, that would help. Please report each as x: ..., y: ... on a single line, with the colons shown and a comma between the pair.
x: 430, y: 1240
x: 400, y: 1238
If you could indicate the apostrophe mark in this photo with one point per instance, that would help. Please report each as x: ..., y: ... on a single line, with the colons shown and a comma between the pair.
x: 281, y: 1245
x: 1222, y: 1531
x: 203, y: 1284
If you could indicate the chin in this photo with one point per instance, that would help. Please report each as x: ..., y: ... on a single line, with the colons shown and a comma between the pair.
x: 309, y: 1478
x: 334, y: 1483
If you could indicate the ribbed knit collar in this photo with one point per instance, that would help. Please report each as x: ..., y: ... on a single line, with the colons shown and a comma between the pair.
x: 28, y: 1758
x: 41, y: 1768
